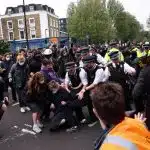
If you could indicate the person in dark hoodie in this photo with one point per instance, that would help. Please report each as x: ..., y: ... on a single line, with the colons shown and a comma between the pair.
x: 35, y: 63
x: 7, y: 64
x: 18, y: 76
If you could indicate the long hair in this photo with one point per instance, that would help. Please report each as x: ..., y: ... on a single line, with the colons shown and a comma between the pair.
x: 33, y: 84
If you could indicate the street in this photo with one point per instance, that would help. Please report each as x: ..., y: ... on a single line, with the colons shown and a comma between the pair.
x: 14, y: 135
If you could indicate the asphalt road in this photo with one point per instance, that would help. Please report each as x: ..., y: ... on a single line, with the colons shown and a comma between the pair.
x: 13, y: 135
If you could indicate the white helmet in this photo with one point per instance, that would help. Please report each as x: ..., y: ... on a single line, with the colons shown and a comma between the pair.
x: 146, y: 43
x: 47, y: 52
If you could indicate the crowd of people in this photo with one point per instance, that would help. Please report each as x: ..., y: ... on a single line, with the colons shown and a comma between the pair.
x: 55, y: 84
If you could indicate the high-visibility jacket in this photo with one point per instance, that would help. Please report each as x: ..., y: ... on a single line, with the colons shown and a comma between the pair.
x: 107, y: 57
x: 130, y: 134
x: 139, y: 53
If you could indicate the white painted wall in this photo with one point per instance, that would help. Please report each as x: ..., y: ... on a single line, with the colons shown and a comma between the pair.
x: 1, y: 31
x: 44, y: 24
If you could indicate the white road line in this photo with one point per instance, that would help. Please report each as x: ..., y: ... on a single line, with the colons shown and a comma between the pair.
x: 15, y: 104
x: 28, y: 131
x: 28, y: 125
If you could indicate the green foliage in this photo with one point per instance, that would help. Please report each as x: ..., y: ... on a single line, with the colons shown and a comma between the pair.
x: 4, y: 47
x: 101, y: 21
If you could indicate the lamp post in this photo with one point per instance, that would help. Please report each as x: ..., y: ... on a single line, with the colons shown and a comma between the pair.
x: 25, y: 22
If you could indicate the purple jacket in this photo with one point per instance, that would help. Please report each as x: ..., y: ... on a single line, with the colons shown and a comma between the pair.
x: 50, y: 75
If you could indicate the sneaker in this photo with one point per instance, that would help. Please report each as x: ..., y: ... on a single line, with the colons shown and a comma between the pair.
x: 22, y: 110
x: 72, y: 129
x: 92, y: 124
x: 40, y: 125
x: 36, y: 129
x: 83, y: 121
x: 27, y: 108
x: 62, y: 121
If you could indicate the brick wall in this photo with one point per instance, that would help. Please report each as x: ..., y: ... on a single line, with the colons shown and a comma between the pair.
x: 15, y: 26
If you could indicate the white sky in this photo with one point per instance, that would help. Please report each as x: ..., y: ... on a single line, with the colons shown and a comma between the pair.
x: 139, y: 8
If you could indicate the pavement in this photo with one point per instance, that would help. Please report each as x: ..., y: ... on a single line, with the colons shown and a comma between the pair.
x: 16, y: 134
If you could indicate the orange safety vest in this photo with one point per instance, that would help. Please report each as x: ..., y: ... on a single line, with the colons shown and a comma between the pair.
x: 130, y: 134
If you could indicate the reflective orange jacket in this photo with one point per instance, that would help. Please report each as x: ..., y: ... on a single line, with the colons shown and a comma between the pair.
x: 130, y: 134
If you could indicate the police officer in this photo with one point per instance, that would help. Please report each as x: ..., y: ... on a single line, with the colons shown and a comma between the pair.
x: 74, y: 85
x: 94, y: 74
x: 117, y: 71
x: 142, y: 88
x: 84, y: 52
x: 99, y: 59
x: 113, y: 48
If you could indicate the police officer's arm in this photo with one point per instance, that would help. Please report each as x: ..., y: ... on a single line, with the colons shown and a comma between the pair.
x: 128, y: 69
x: 101, y: 60
x: 11, y: 72
x: 84, y: 80
x: 139, y: 87
x: 99, y: 77
x: 67, y: 82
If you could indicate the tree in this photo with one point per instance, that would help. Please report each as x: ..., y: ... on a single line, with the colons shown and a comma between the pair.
x: 128, y: 28
x: 4, y: 47
x: 89, y: 18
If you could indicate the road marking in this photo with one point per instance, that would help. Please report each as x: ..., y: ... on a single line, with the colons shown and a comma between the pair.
x: 15, y: 104
x: 28, y: 131
x: 28, y: 125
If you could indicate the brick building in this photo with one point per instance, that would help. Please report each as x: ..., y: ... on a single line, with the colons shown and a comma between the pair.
x: 42, y: 24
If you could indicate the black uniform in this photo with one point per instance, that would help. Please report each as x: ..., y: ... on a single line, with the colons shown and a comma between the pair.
x: 143, y: 87
x: 76, y: 104
x: 118, y: 75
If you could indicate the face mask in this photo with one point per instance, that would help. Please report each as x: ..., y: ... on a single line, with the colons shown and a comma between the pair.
x: 54, y: 91
x: 90, y: 54
x: 21, y: 63
x: 7, y: 58
x: 41, y: 82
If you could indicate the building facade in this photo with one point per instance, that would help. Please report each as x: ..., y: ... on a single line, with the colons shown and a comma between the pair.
x: 42, y: 24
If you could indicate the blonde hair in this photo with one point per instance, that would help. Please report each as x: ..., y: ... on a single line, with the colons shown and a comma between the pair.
x: 53, y: 85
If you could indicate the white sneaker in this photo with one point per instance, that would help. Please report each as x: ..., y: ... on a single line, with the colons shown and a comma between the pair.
x: 27, y: 108
x: 92, y: 124
x: 83, y: 121
x: 62, y: 121
x: 36, y: 129
x: 22, y: 110
x: 39, y: 124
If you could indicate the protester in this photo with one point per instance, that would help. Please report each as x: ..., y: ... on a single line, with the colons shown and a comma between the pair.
x: 18, y: 76
x: 120, y: 132
x: 36, y: 99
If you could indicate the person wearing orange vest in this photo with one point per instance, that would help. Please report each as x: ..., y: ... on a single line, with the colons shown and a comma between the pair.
x: 120, y: 132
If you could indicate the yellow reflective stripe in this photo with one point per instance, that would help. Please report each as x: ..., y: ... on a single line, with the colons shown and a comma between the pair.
x: 119, y: 141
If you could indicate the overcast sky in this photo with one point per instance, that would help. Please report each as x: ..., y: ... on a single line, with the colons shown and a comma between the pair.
x: 139, y: 8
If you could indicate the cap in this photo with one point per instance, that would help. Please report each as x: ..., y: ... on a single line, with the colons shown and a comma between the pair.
x: 146, y: 44
x: 112, y: 43
x: 84, y: 50
x: 89, y: 59
x: 114, y: 55
x: 69, y: 65
x: 47, y: 52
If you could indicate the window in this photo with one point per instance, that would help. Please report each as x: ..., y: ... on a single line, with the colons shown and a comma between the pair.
x: 31, y: 8
x: 54, y: 33
x: 9, y: 25
x: 9, y: 11
x: 62, y: 21
x: 11, y: 36
x: 51, y: 32
x: 22, y: 34
x: 20, y: 9
x: 33, y: 34
x: 57, y: 33
x: 20, y: 23
x: 32, y: 22
x: 56, y: 24
x: 51, y: 22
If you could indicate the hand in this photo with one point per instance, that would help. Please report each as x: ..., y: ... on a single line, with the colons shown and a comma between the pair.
x: 63, y: 103
x: 52, y: 106
x: 4, y: 107
x: 140, y: 117
x: 80, y: 95
x: 31, y: 74
x: 10, y: 80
